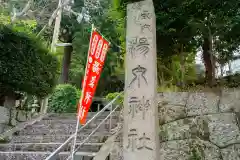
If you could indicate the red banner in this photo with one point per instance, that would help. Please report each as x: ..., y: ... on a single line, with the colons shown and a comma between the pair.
x: 96, y: 58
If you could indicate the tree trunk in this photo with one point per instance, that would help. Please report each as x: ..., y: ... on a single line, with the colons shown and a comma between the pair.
x: 208, y: 61
x: 66, y: 37
x: 2, y: 99
x: 221, y: 68
x: 159, y: 72
x: 229, y: 67
x: 182, y: 63
x: 66, y: 64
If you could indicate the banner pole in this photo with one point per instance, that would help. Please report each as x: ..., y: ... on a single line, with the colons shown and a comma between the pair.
x: 78, y: 115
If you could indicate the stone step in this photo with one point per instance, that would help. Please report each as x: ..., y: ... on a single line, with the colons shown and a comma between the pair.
x: 40, y: 147
x: 97, y: 137
x: 52, y: 123
x: 19, y: 155
x: 48, y: 127
x: 73, y: 116
x: 42, y: 130
x: 57, y: 123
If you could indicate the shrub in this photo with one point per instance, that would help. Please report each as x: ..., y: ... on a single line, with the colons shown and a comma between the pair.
x: 195, y: 155
x: 26, y: 65
x: 111, y: 96
x: 64, y: 99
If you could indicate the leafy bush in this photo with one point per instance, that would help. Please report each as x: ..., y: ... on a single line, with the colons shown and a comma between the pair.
x: 111, y: 96
x: 195, y: 155
x: 26, y: 65
x: 64, y: 99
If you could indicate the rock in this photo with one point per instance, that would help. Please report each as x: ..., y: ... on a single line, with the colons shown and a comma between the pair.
x: 201, y: 129
x: 176, y: 130
x: 231, y: 153
x: 223, y: 129
x: 117, y: 152
x: 202, y: 103
x: 230, y: 100
x: 169, y: 113
x: 185, y: 128
x: 184, y: 149
x: 173, y: 98
x: 3, y: 118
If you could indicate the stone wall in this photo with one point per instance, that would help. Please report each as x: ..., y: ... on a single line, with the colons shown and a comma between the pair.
x: 197, y: 126
x: 4, y: 118
x: 200, y: 126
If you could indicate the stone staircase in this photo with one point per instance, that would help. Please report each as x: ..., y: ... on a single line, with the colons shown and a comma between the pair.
x: 39, y: 140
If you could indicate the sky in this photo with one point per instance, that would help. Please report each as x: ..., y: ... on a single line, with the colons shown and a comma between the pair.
x: 234, y: 64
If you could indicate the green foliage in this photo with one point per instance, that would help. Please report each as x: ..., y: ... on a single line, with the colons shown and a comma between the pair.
x: 116, y: 14
x: 195, y: 155
x: 195, y: 24
x: 4, y: 140
x: 26, y: 26
x: 27, y: 102
x: 183, y: 25
x: 170, y: 72
x: 64, y: 99
x: 4, y: 19
x: 107, y: 26
x: 26, y: 65
x: 168, y: 88
x: 111, y: 96
x: 230, y: 81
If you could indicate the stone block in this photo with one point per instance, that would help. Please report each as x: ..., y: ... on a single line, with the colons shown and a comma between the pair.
x: 169, y: 113
x: 3, y: 118
x: 176, y: 130
x: 185, y: 149
x: 185, y: 128
x: 117, y: 153
x: 22, y: 116
x: 3, y: 115
x: 231, y: 153
x: 173, y: 98
x: 223, y: 129
x: 202, y: 103
x: 230, y: 100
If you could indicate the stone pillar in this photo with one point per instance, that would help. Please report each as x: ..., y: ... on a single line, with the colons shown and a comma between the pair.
x: 10, y: 104
x: 140, y: 137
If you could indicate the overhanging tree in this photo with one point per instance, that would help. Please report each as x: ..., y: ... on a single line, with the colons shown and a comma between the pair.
x: 78, y: 33
x: 174, y: 37
x: 210, y: 25
x: 25, y: 64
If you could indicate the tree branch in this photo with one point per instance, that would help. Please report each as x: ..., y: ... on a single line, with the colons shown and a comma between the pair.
x: 53, y: 16
x: 19, y: 14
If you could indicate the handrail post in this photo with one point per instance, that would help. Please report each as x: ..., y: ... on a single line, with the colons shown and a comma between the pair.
x: 110, y: 118
x: 54, y: 157
x: 98, y: 107
x: 58, y: 150
x: 94, y: 131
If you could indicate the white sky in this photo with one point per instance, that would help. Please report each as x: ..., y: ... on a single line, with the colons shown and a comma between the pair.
x: 234, y: 64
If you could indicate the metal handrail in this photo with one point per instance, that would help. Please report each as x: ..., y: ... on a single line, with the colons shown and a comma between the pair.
x: 22, y: 126
x: 58, y: 150
x: 86, y: 139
